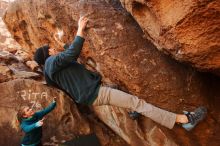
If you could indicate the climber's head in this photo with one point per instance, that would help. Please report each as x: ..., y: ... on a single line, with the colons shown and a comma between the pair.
x: 43, y: 53
x: 24, y: 112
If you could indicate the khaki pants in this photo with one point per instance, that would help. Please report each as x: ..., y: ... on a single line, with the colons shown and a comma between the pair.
x: 109, y: 96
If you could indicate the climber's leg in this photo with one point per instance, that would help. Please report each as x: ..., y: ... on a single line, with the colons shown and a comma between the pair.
x: 109, y: 96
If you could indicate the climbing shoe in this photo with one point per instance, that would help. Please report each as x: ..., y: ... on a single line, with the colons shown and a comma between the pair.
x: 134, y: 115
x: 194, y: 117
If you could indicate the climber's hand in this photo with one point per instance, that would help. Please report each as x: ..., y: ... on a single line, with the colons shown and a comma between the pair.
x: 54, y: 99
x: 82, y: 25
x: 82, y: 22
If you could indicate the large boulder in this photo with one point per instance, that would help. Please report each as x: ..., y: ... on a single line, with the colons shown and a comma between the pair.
x: 115, y: 47
x: 188, y: 30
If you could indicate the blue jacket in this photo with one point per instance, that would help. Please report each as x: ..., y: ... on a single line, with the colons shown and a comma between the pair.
x: 31, y: 127
x: 64, y: 72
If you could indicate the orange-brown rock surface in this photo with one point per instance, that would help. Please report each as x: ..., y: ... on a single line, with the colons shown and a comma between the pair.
x: 11, y: 68
x: 188, y: 30
x: 115, y: 47
x: 7, y: 43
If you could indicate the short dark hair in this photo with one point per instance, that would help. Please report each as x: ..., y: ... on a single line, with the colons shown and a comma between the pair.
x: 42, y: 54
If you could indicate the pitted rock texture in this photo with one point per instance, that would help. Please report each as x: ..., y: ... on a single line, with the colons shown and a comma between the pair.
x: 115, y: 47
x: 188, y: 30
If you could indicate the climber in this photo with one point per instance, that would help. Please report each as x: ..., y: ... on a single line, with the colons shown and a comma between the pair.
x: 63, y: 71
x: 31, y: 123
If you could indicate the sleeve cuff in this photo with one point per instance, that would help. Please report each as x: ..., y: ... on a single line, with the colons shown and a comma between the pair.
x: 79, y: 38
x: 54, y: 103
x: 66, y: 46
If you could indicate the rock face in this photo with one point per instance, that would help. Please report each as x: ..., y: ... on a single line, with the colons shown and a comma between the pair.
x: 116, y: 48
x: 7, y: 43
x: 188, y: 30
x: 12, y: 68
